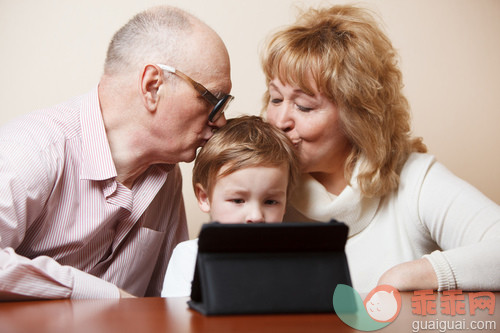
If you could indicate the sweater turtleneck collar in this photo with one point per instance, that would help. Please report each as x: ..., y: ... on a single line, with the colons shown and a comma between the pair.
x: 313, y: 201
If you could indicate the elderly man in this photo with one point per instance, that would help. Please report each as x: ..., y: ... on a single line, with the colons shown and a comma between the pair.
x: 90, y: 201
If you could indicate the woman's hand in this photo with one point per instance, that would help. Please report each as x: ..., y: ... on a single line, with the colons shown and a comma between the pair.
x: 411, y: 275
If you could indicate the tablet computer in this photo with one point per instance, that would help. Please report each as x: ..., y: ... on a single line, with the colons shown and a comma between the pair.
x: 269, y: 268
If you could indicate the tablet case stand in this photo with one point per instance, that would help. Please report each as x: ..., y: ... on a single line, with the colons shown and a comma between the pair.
x: 269, y: 268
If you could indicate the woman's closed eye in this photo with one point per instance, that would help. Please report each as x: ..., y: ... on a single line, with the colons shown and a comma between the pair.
x: 303, y: 108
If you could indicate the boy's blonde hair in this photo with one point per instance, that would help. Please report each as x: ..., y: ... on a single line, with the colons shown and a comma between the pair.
x: 244, y: 142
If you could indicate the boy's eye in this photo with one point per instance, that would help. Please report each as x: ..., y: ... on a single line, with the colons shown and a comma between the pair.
x: 276, y: 100
x: 237, y: 201
x: 271, y: 202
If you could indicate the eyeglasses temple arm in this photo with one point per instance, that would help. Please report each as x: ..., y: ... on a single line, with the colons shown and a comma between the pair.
x: 199, y: 88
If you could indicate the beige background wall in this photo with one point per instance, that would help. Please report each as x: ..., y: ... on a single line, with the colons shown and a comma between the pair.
x: 52, y: 50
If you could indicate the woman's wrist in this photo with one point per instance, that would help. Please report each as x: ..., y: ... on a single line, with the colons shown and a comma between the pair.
x: 411, y: 275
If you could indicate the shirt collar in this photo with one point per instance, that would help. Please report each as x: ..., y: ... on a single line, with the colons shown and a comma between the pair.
x: 97, y: 161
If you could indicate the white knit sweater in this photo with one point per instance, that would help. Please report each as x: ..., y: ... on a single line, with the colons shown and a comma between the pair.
x: 433, y: 213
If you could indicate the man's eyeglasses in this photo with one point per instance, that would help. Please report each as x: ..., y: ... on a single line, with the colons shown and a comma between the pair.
x: 220, y: 104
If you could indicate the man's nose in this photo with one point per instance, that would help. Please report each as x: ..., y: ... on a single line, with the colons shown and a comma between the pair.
x: 221, y: 121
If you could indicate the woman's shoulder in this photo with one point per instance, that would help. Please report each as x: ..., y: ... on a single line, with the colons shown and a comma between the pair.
x: 418, y: 161
x: 415, y: 170
x: 424, y: 169
x: 412, y: 177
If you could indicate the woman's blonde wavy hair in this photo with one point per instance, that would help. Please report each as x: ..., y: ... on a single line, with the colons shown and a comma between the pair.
x: 354, y: 64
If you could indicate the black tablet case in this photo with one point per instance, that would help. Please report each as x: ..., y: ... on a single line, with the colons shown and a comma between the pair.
x: 269, y: 268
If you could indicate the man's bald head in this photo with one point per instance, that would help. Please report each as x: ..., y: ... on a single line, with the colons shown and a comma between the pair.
x: 162, y: 34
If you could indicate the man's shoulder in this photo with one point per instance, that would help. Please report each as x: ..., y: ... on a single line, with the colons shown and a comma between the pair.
x: 44, y: 126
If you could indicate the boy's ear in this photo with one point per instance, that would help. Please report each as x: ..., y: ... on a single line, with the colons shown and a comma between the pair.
x: 150, y: 83
x: 202, y: 197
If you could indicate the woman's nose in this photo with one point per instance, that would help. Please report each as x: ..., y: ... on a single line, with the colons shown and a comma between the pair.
x: 281, y: 117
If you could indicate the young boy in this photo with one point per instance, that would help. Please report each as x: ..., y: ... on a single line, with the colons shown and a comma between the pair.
x: 242, y: 175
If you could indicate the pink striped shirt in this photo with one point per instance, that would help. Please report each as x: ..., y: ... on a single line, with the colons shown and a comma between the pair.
x: 68, y: 229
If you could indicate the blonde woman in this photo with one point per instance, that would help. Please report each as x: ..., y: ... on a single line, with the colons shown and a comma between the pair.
x: 334, y: 87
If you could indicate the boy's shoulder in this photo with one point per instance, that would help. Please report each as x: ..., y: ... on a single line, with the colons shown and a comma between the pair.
x: 187, y: 246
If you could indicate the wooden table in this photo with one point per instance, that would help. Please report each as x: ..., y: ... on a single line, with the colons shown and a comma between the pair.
x: 151, y: 315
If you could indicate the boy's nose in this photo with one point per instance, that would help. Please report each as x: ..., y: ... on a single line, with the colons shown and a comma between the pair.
x: 255, y: 215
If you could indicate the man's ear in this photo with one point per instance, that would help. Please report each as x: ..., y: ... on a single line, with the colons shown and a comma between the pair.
x: 150, y: 83
x: 202, y: 197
